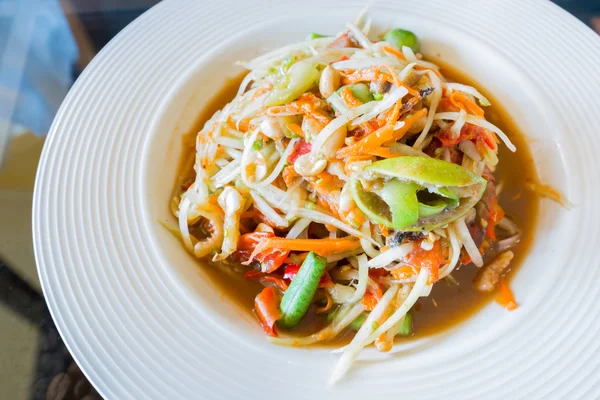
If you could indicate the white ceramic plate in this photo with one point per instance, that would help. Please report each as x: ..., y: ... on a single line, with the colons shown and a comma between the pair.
x: 138, y: 314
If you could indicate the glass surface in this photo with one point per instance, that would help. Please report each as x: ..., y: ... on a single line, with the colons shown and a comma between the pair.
x: 39, y: 62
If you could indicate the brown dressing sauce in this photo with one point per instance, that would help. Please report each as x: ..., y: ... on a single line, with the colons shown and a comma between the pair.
x: 457, y: 303
x: 447, y: 305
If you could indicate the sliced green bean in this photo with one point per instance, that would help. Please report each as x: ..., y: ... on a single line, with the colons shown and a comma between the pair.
x: 299, y: 295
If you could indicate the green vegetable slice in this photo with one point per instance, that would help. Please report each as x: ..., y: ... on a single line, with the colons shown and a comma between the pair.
x: 401, y: 197
x: 297, y: 298
x: 406, y: 327
x: 427, y: 210
x: 397, y: 206
x: 401, y: 37
x: 451, y: 197
x: 369, y: 203
x: 358, y: 322
x: 425, y: 171
x: 300, y: 77
x: 362, y: 93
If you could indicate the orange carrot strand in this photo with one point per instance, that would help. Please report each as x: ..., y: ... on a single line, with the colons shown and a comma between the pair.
x: 505, y: 296
x: 393, y: 51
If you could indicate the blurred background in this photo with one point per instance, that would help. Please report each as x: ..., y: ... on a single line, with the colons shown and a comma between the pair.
x: 44, y: 46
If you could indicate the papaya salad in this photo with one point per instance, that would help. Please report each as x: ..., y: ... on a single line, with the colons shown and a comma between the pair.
x: 348, y: 176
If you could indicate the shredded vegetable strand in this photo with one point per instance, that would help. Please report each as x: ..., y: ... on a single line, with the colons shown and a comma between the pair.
x: 365, y: 331
x: 248, y: 143
x: 468, y: 242
x: 183, y: 224
x: 338, y: 123
x: 389, y: 256
x: 299, y: 226
x: 437, y: 96
x: 389, y: 100
x: 354, y: 348
x: 363, y: 277
x: 367, y: 246
x: 469, y: 90
x: 267, y: 210
x: 279, y: 167
x: 455, y: 247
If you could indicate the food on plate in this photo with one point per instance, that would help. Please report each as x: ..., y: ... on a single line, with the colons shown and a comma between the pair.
x: 348, y: 176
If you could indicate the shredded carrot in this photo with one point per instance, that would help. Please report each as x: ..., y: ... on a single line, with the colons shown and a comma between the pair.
x: 349, y: 98
x: 323, y: 203
x: 243, y: 125
x: 394, y: 75
x: 295, y: 128
x: 395, y: 114
x: 393, y: 51
x: 366, y: 128
x: 422, y: 68
x: 398, y: 82
x: 505, y: 296
x: 382, y: 135
x: 373, y: 140
x: 328, y: 202
x: 366, y: 75
x: 354, y: 218
x: 460, y: 100
x: 384, y: 231
x: 306, y: 105
x: 413, y: 92
x: 323, y: 247
x: 324, y: 178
